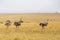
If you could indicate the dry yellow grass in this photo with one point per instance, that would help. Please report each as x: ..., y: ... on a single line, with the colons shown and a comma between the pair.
x: 30, y: 29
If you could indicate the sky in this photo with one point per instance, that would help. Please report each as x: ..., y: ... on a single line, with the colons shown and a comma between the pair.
x: 19, y: 6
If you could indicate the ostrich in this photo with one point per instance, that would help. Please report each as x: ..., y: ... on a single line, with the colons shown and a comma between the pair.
x: 8, y: 23
x: 21, y: 21
x: 17, y: 24
x: 43, y: 24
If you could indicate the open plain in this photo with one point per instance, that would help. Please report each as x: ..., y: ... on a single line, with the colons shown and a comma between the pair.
x: 30, y: 28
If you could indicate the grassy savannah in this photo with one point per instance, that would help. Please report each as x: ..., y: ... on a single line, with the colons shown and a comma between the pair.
x: 30, y: 28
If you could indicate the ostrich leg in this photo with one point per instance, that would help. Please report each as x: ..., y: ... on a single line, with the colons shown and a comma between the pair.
x: 43, y: 27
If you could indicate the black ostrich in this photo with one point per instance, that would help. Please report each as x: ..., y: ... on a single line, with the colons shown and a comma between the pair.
x: 17, y: 24
x: 43, y: 24
x: 8, y: 23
